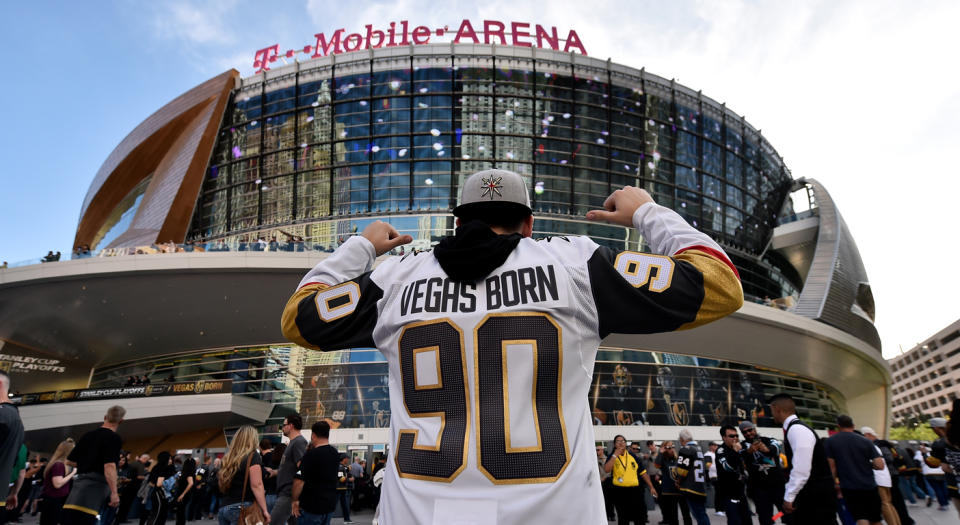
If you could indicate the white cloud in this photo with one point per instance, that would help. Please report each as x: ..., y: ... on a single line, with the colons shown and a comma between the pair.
x: 196, y: 23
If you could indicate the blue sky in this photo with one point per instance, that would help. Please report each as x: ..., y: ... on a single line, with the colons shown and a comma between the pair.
x: 863, y: 96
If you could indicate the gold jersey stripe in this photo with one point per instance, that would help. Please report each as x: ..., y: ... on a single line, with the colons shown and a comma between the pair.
x: 722, y: 292
x: 288, y: 322
x: 82, y: 509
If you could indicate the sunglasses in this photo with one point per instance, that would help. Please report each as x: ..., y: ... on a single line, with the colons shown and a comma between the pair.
x: 732, y: 436
x: 668, y: 448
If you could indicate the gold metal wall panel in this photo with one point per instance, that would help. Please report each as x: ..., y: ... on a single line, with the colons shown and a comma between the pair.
x: 174, y: 145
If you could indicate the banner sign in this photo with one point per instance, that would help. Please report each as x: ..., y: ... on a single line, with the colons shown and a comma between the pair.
x: 660, y: 394
x: 90, y: 394
x: 520, y: 34
x: 25, y: 364
x: 346, y: 395
x: 33, y: 371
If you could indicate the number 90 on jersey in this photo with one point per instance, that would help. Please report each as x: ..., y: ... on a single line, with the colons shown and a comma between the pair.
x: 447, y: 396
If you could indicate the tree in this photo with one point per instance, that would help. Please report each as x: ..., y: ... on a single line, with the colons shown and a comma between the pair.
x: 912, y: 427
x: 917, y: 433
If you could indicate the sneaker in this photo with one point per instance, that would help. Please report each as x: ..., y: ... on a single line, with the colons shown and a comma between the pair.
x: 721, y: 513
x: 943, y: 507
x: 929, y: 501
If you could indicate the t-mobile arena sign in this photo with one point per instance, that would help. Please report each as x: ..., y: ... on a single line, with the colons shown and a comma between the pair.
x: 493, y: 32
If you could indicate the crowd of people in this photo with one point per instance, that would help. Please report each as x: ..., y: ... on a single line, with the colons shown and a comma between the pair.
x: 93, y: 481
x: 854, y: 475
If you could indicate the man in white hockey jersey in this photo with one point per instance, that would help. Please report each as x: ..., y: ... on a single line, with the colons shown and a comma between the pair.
x: 491, y: 339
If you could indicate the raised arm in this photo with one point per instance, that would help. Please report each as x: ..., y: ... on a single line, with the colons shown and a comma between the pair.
x: 335, y: 305
x: 689, y: 280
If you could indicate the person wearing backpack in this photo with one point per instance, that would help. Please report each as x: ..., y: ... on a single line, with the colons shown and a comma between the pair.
x: 162, y: 480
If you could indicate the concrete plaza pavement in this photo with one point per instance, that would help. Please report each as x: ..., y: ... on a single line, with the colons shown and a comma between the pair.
x: 921, y: 514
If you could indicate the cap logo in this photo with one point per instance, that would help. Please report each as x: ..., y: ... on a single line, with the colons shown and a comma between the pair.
x: 491, y: 185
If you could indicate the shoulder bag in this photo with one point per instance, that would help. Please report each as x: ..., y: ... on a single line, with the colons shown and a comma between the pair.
x: 251, y: 515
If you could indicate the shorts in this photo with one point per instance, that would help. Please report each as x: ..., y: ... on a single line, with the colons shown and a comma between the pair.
x: 863, y: 504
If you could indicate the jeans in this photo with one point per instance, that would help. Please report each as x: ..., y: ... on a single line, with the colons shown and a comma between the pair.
x: 344, y: 497
x: 270, y: 500
x: 939, y: 485
x: 280, y: 513
x: 230, y: 514
x: 698, y: 508
x: 908, y: 486
x: 108, y: 514
x: 214, y: 501
x: 307, y: 518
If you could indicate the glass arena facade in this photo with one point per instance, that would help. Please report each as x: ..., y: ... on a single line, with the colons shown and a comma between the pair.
x: 304, y: 155
x: 317, y: 148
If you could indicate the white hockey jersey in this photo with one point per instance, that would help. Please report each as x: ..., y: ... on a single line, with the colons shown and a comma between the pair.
x: 489, y: 379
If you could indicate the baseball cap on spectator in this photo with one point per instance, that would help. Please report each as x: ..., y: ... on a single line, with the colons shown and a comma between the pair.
x: 746, y: 425
x: 498, y: 186
x: 868, y: 430
x: 938, y: 422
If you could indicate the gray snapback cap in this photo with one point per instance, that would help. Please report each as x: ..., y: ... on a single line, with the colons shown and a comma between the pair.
x: 497, y: 186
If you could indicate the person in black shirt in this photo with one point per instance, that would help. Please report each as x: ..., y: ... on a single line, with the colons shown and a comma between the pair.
x: 732, y: 477
x: 11, y: 437
x: 271, y: 460
x: 185, y: 488
x: 241, y: 467
x: 162, y: 470
x: 315, y: 484
x: 853, y: 458
x: 669, y: 492
x: 197, y: 502
x: 95, y: 458
x: 765, y: 481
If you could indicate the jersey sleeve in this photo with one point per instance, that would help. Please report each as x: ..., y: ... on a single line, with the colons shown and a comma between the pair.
x: 689, y: 281
x: 725, y: 459
x: 335, y: 306
x: 775, y: 448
